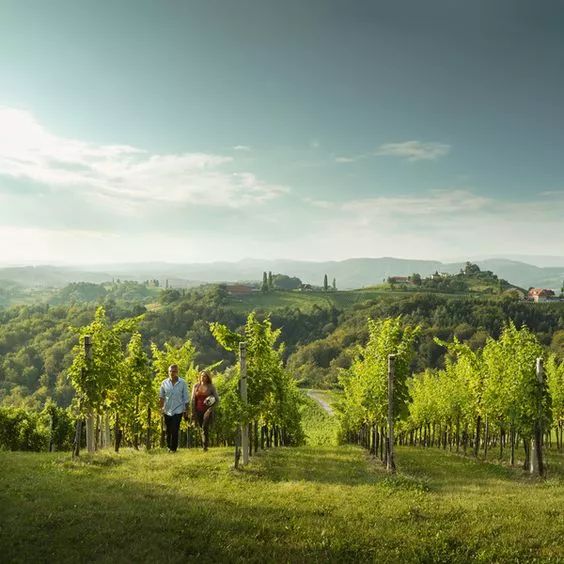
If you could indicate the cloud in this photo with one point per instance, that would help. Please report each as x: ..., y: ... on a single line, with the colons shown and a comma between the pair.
x: 409, y: 150
x: 346, y: 160
x: 122, y: 175
x: 323, y: 204
x: 241, y: 148
x: 413, y: 150
x: 434, y: 204
x: 437, y: 224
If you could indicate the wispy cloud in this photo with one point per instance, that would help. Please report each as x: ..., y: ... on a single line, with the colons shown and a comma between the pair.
x: 408, y: 150
x: 123, y: 174
x: 242, y: 148
x: 434, y: 203
x: 323, y: 204
x: 413, y: 150
x: 438, y: 224
x: 346, y: 160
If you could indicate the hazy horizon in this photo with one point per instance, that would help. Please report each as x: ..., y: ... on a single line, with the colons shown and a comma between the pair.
x: 205, y: 132
x: 540, y: 261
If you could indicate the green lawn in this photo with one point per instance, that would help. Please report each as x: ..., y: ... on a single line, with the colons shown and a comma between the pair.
x: 313, y: 503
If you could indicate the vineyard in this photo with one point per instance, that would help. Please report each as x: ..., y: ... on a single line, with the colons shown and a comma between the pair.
x: 394, y: 464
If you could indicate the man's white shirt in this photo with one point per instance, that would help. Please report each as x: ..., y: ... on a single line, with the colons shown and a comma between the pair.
x: 175, y: 396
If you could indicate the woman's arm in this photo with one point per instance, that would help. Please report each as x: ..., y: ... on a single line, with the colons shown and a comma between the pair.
x: 193, y: 400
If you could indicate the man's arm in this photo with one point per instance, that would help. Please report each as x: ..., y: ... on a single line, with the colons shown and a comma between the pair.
x: 186, y: 400
x: 162, y: 397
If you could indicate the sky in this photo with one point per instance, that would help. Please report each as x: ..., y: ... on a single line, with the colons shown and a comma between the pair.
x: 196, y: 131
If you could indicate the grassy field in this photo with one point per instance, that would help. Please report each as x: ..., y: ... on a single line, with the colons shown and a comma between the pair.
x: 313, y: 503
x: 307, y: 300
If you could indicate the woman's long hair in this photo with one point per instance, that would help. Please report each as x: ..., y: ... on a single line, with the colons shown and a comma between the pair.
x: 205, y: 374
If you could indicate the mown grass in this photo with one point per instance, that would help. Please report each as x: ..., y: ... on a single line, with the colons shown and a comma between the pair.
x: 313, y: 503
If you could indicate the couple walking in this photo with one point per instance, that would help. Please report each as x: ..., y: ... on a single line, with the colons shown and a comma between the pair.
x: 173, y: 398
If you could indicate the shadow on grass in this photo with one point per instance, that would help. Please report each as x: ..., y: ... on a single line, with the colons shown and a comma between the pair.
x: 444, y: 470
x: 114, y: 516
x: 324, y: 465
x: 192, y: 507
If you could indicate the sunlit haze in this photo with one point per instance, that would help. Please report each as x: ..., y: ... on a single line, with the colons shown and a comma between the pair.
x: 204, y: 131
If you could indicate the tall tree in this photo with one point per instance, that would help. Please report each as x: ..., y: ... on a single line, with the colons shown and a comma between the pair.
x: 264, y: 287
x: 325, y: 283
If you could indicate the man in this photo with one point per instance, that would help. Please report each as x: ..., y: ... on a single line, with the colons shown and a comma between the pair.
x: 173, y: 398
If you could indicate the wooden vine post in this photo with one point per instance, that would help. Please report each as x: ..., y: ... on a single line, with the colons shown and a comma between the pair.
x: 536, y: 460
x: 243, y: 392
x: 390, y: 462
x: 87, y: 343
x: 90, y: 423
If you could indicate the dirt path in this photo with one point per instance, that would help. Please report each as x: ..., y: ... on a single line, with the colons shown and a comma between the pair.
x: 320, y: 399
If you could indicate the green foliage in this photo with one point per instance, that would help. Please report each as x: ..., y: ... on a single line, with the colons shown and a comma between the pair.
x: 182, y: 355
x: 555, y: 382
x: 169, y: 296
x: 273, y: 396
x: 93, y: 378
x: 365, y: 384
x: 497, y: 383
x: 22, y: 429
x: 511, y: 391
x: 284, y: 282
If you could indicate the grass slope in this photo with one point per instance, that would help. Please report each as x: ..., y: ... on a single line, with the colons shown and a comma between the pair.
x: 304, y: 504
x: 319, y: 426
x: 308, y: 300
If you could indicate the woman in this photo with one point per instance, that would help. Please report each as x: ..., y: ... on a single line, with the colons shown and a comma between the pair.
x: 204, y: 399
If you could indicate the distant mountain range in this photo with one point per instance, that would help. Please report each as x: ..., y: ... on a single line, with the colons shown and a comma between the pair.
x: 350, y: 273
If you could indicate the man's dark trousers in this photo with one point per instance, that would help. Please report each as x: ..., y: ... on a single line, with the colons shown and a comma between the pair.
x: 172, y: 424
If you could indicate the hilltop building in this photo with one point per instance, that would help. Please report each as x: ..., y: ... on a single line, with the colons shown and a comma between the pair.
x: 239, y: 289
x: 541, y: 295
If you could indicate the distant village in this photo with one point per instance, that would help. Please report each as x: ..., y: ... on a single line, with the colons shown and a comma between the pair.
x: 439, y: 281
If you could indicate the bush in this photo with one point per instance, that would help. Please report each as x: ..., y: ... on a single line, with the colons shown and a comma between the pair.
x: 24, y: 429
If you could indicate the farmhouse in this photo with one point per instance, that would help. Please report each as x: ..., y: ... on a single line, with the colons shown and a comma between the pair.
x: 239, y: 289
x: 540, y: 295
